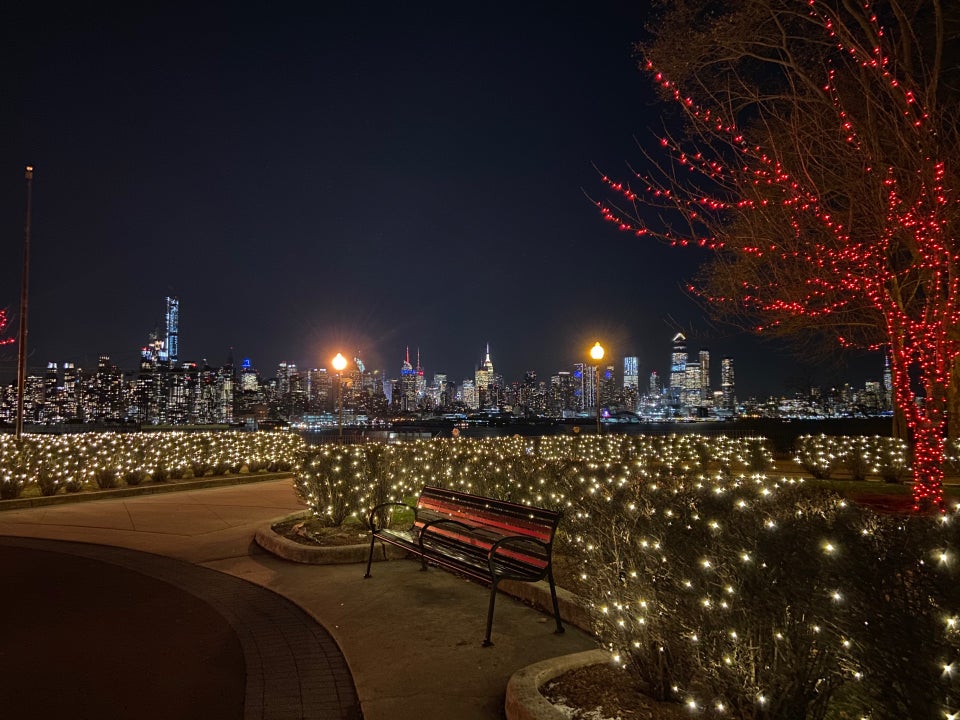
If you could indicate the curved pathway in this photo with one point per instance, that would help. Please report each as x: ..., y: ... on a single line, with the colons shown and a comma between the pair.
x: 411, y: 639
x: 103, y: 632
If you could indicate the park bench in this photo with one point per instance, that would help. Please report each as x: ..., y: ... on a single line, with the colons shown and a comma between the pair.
x: 485, y: 539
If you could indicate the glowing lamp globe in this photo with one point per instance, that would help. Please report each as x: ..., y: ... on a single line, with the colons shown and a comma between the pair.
x: 339, y: 362
x: 596, y: 352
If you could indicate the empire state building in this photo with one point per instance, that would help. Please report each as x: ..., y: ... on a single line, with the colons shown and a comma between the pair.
x: 484, y: 378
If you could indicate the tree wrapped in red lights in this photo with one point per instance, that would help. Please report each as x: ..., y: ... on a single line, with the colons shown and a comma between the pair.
x: 819, y: 164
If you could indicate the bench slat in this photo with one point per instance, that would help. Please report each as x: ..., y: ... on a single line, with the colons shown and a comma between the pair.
x: 510, y: 518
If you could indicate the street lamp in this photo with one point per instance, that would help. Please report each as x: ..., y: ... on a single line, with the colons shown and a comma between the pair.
x: 596, y: 352
x: 339, y: 363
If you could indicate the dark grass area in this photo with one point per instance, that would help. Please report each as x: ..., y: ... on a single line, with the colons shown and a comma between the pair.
x: 885, y: 497
x: 86, y: 639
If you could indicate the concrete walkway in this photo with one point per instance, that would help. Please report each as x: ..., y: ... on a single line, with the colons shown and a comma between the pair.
x: 411, y: 639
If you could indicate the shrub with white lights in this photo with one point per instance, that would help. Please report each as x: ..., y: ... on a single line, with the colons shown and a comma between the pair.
x: 823, y: 455
x: 740, y: 595
x: 107, y: 460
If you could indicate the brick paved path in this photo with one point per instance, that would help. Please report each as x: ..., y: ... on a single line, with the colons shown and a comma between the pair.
x: 74, y: 615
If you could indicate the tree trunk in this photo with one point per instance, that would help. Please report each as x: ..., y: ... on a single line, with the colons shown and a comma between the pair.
x: 926, y: 420
x: 899, y: 429
x: 928, y: 447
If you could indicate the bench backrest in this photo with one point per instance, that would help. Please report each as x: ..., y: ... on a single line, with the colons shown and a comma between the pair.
x: 498, y: 516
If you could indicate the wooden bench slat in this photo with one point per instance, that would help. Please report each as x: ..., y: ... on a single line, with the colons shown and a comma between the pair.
x: 516, y: 519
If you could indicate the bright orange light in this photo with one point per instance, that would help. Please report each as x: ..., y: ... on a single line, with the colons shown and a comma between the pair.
x: 339, y: 362
x: 596, y: 352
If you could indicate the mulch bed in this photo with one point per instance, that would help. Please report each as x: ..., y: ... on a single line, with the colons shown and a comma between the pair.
x: 309, y: 531
x: 605, y: 691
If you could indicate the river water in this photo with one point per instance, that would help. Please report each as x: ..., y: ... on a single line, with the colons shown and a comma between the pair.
x: 781, y: 433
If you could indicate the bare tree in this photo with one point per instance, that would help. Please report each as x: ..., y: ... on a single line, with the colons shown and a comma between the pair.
x: 818, y: 160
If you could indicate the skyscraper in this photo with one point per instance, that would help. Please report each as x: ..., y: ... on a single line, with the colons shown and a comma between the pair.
x: 421, y: 378
x: 591, y: 392
x: 223, y: 394
x: 484, y: 380
x: 706, y: 397
x: 630, y: 394
x: 655, y: 387
x: 631, y: 377
x: 249, y: 380
x: 108, y: 390
x: 678, y: 368
x: 562, y: 393
x: 692, y: 385
x: 727, y: 384
x: 530, y: 394
x: 173, y: 330
x: 581, y: 392
x: 72, y: 391
x: 50, y: 384
x: 468, y: 395
x: 357, y: 390
x: 442, y: 395
x: 286, y: 372
x: 887, y: 383
x: 607, y: 391
x: 407, y: 400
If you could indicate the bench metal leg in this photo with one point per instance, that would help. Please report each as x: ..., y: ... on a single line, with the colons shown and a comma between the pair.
x: 493, y: 599
x: 553, y: 596
x: 373, y: 539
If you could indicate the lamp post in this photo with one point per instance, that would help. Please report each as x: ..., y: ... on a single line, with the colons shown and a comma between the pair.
x: 596, y: 352
x: 339, y: 363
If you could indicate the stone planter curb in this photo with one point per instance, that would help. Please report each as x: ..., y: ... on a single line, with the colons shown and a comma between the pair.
x: 524, y: 701
x: 314, y: 554
x: 537, y: 594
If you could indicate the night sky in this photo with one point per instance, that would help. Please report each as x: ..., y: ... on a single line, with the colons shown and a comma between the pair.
x: 348, y: 176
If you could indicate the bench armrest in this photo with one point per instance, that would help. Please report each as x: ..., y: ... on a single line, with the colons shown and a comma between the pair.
x: 373, y: 513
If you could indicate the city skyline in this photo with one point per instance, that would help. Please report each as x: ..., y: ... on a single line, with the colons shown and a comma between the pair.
x: 864, y: 370
x: 345, y: 178
x: 162, y: 348
x: 165, y: 392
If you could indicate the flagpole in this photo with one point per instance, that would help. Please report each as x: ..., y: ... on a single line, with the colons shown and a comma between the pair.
x: 22, y: 337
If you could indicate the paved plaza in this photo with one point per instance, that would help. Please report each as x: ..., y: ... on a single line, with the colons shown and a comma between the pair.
x: 310, y: 641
